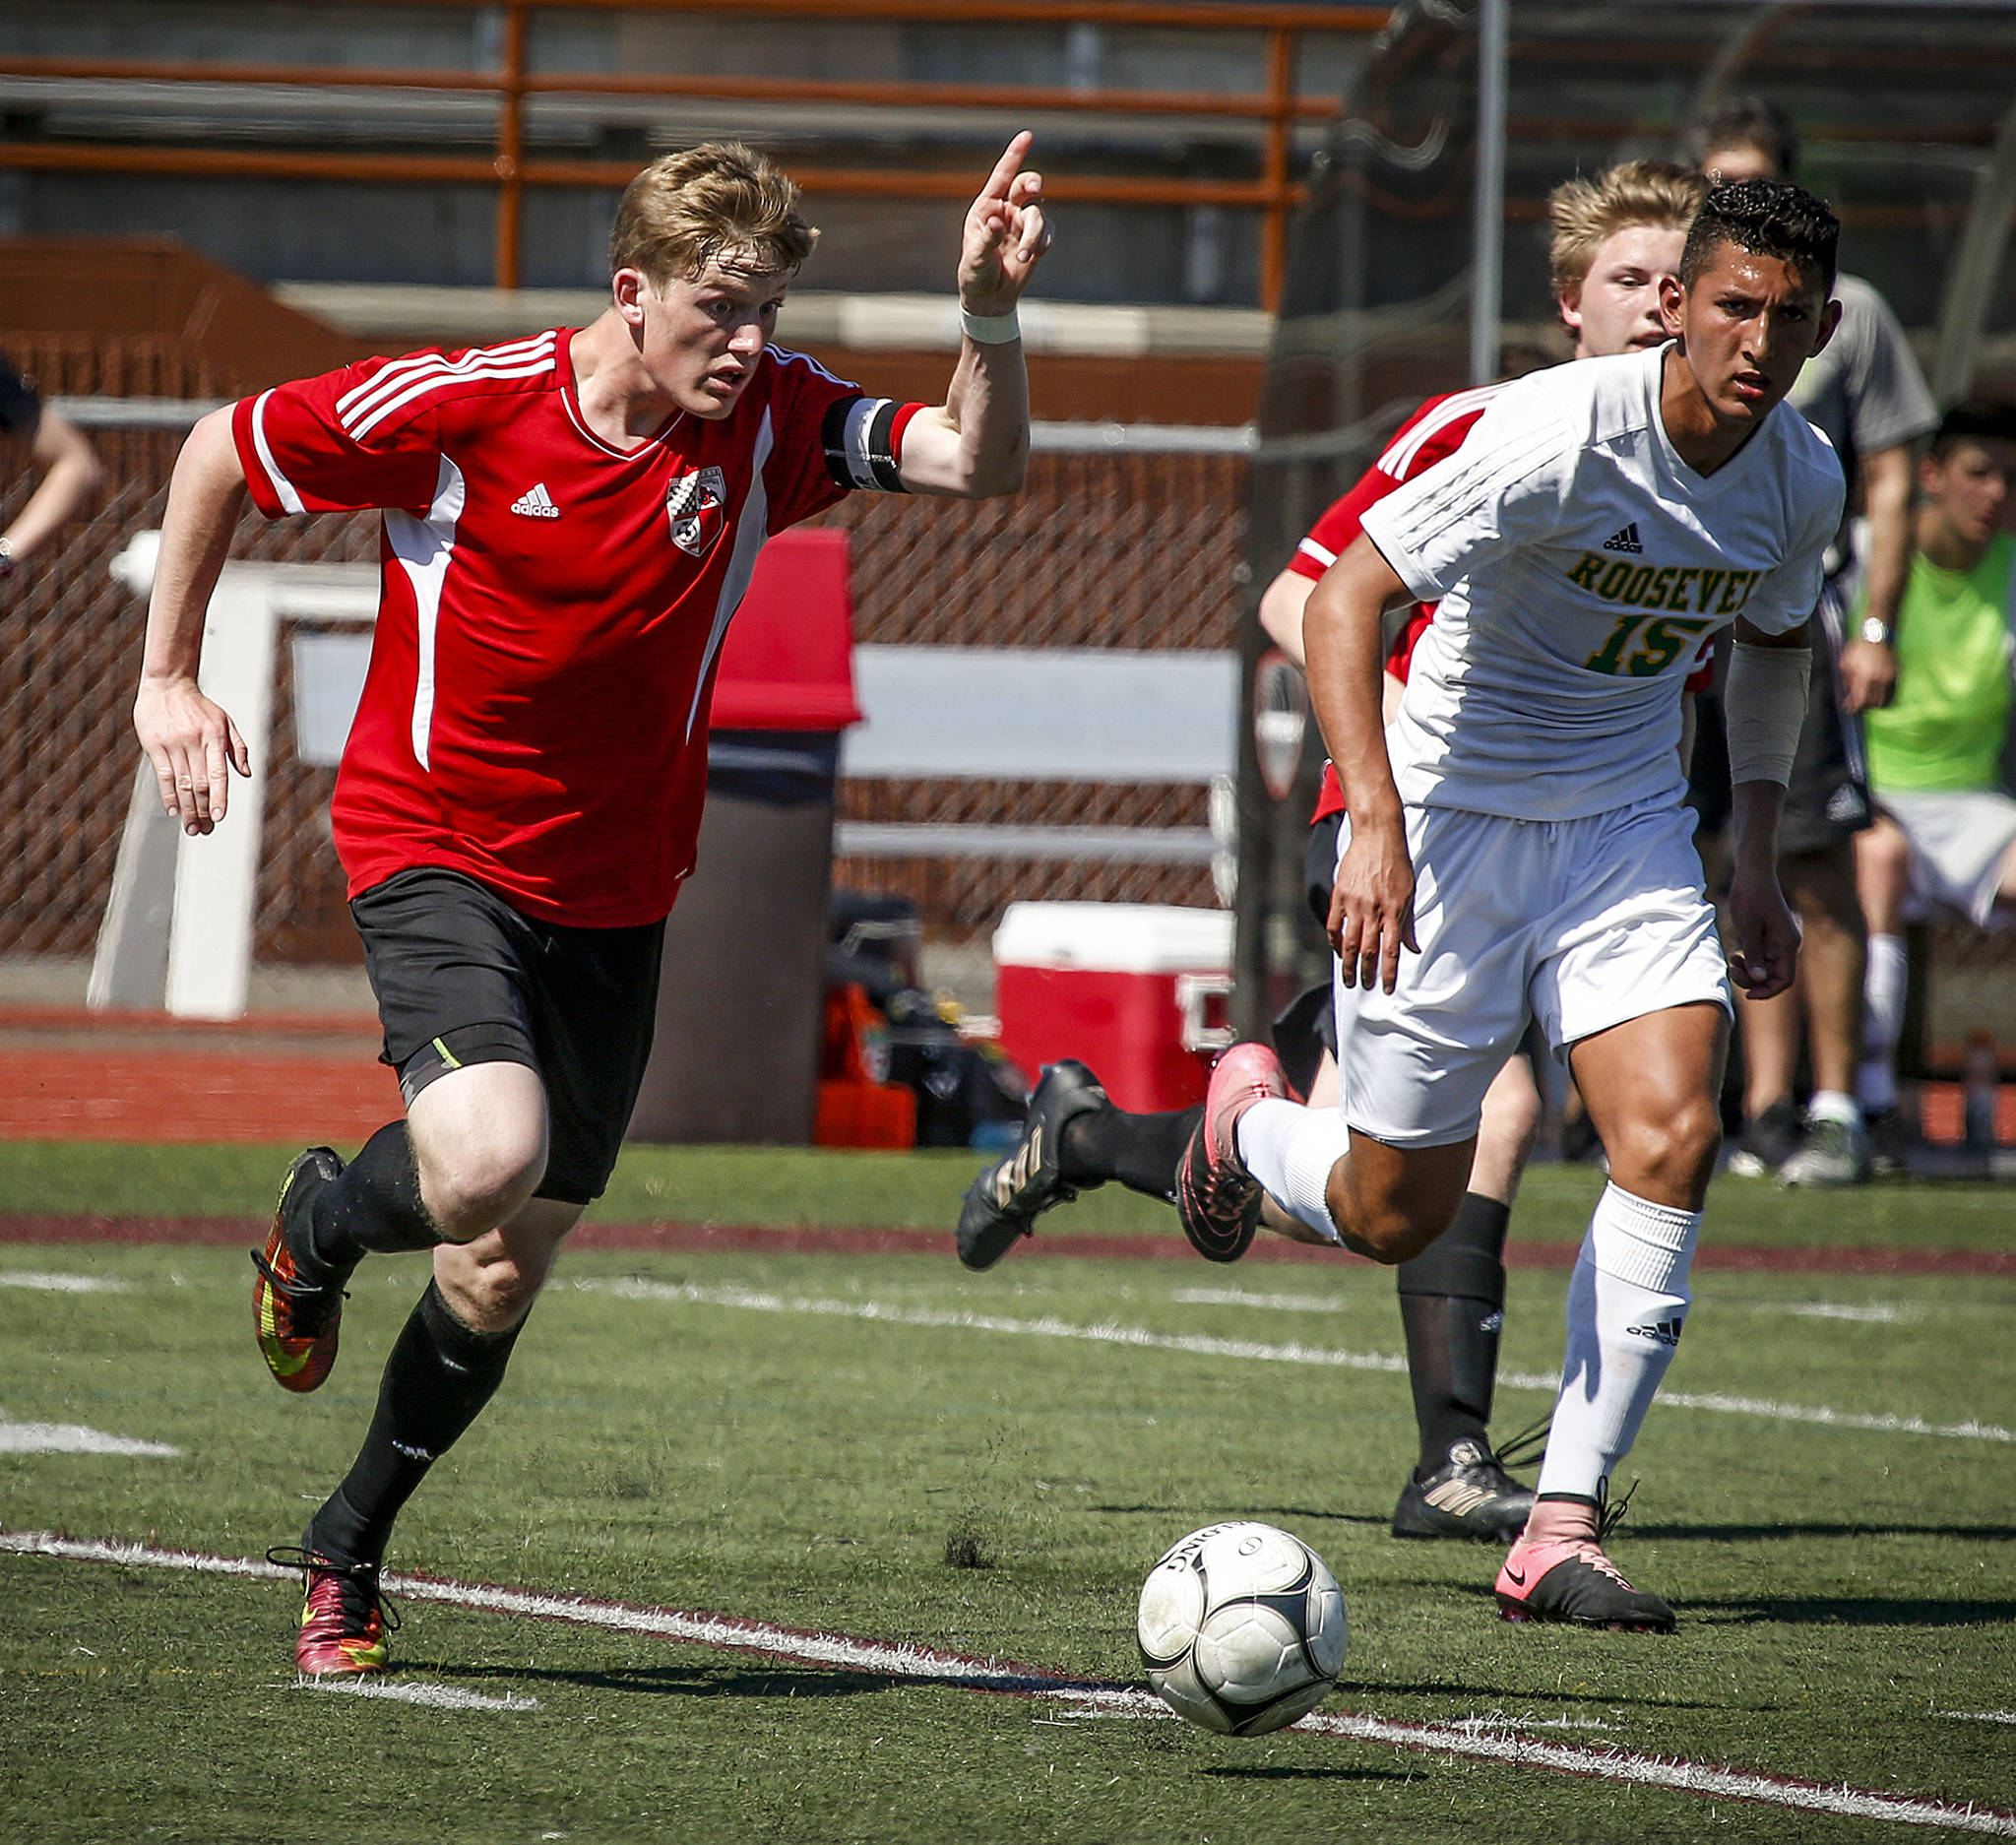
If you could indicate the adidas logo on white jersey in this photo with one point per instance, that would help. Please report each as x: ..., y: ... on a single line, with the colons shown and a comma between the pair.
x: 1625, y: 540
x: 535, y: 503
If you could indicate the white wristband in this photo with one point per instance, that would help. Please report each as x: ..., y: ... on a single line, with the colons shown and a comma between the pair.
x: 1763, y: 708
x: 990, y: 329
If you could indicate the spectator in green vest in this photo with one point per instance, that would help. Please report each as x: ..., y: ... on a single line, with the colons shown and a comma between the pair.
x: 1945, y: 831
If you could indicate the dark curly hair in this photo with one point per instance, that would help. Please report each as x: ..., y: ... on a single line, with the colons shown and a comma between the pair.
x: 1767, y: 218
x: 1743, y: 122
x: 1974, y: 420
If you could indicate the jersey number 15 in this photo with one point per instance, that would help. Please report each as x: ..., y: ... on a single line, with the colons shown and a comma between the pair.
x: 1642, y: 645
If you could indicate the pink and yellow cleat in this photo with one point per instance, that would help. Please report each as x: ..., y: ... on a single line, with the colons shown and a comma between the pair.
x: 296, y: 1324
x: 345, y: 1618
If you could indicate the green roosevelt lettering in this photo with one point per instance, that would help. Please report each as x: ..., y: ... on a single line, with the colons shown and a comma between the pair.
x: 1690, y: 589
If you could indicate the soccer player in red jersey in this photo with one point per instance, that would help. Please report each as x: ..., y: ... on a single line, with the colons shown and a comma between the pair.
x: 569, y: 522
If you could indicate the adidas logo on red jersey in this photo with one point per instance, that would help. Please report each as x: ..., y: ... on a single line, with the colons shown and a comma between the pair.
x: 535, y: 503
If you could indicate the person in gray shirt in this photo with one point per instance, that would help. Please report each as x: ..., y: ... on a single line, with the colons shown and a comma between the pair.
x: 1865, y: 392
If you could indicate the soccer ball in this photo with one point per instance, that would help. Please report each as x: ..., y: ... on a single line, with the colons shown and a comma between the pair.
x: 1241, y: 1628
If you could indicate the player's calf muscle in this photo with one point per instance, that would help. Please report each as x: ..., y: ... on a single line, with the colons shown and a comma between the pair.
x: 1389, y: 1204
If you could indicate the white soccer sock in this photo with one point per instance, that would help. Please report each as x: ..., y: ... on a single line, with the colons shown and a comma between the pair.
x: 1831, y: 1105
x: 1289, y: 1149
x: 1627, y: 1304
x: 1889, y: 971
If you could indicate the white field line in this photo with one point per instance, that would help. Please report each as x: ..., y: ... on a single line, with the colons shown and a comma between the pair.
x: 72, y: 1438
x: 1108, y: 1332
x: 436, y: 1697
x: 1466, y: 1739
x: 1272, y: 1303
x: 1830, y: 1309
x: 1978, y: 1716
x: 61, y: 1283
x: 1335, y: 1303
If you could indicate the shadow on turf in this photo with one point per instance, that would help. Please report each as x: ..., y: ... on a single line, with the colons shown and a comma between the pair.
x: 1743, y: 1534
x: 1672, y: 1532
x: 685, y: 1681
x: 1836, y: 1610
x: 1303, y: 1774
x: 1820, y: 1611
x: 768, y: 1681
x: 1380, y: 1519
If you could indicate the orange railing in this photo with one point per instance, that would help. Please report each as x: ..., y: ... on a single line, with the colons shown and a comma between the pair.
x: 1277, y: 108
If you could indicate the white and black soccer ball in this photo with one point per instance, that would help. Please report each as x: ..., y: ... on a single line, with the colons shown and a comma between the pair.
x: 1241, y: 1628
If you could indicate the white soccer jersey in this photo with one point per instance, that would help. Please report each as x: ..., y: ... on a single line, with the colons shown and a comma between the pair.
x: 1579, y: 562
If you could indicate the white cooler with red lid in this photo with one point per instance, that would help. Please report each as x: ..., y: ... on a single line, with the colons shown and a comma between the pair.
x: 1135, y: 991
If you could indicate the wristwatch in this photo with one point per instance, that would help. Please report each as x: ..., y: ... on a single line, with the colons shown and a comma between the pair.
x: 6, y: 557
x: 1875, y: 630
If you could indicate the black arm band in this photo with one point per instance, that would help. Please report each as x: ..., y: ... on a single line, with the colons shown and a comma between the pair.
x: 860, y: 439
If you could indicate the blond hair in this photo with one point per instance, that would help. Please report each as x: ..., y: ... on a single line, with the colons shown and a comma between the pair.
x: 719, y: 200
x: 1585, y: 212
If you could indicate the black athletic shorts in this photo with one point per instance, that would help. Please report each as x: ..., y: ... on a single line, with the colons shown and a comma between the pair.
x: 1319, y: 874
x: 1827, y: 800
x: 464, y: 977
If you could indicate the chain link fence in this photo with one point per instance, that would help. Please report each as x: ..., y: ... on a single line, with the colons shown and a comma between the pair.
x: 1102, y: 549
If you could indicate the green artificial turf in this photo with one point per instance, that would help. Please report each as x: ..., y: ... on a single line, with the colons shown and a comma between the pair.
x: 806, y: 1440
x: 799, y: 1185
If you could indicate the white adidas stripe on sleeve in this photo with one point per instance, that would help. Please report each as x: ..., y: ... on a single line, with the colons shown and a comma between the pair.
x: 388, y: 379
x: 283, y: 489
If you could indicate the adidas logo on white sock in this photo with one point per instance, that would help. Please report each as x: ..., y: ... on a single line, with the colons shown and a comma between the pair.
x: 1625, y: 540
x: 535, y: 503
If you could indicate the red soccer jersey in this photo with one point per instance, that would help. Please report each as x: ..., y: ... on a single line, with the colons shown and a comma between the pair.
x: 1433, y: 433
x: 552, y: 607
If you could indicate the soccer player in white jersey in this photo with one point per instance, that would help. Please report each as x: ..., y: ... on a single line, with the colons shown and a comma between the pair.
x: 1615, y: 237
x: 569, y: 523
x: 1517, y: 848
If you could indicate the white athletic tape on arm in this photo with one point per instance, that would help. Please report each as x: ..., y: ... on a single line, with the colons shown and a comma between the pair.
x: 990, y: 329
x: 1763, y: 708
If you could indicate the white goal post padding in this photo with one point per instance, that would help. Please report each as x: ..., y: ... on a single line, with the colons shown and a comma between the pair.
x: 179, y: 927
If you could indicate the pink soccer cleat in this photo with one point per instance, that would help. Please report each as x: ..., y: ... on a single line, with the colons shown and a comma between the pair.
x: 1216, y: 1198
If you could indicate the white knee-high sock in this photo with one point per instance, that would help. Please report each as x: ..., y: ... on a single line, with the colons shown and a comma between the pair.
x: 1289, y: 1149
x: 1626, y: 1304
x: 1889, y: 971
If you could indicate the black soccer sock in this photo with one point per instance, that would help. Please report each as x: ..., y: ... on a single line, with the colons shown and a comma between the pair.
x: 1452, y: 1306
x: 372, y: 1205
x: 1141, y: 1151
x: 438, y: 1379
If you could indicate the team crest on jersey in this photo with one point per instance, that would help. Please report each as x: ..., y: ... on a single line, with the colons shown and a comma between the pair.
x: 697, y: 504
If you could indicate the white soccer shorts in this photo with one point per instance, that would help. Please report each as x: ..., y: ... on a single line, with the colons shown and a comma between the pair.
x: 1959, y: 839
x: 1577, y: 924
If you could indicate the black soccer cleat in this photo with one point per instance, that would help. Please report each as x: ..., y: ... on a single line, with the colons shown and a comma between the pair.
x: 1767, y: 1142
x: 1470, y: 1497
x: 1003, y: 1203
x: 1888, y: 1139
